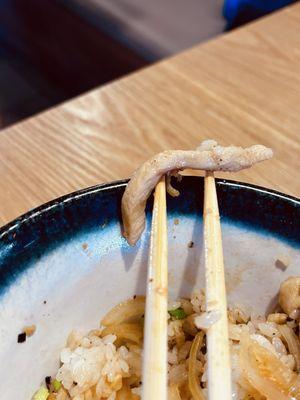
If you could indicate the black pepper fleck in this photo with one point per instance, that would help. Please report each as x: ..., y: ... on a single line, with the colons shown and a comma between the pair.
x: 190, y: 244
x: 134, y: 297
x: 48, y: 381
x: 45, y: 302
x: 22, y: 337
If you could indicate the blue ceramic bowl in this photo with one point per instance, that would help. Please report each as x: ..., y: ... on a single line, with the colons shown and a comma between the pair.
x: 64, y: 264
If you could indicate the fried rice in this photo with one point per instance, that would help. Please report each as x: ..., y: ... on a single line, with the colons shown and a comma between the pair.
x: 106, y: 362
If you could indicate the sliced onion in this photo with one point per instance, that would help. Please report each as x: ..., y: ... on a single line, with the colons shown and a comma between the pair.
x: 189, y: 325
x: 125, y: 393
x: 272, y: 368
x: 194, y: 384
x: 88, y: 395
x: 294, y: 391
x: 173, y: 393
x: 125, y: 332
x: 127, y: 310
x: 135, y: 396
x: 292, y: 342
x: 133, y: 380
x: 178, y: 374
x: 248, y: 362
x: 62, y: 394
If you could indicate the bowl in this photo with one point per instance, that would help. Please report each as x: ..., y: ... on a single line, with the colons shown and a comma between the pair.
x: 65, y: 264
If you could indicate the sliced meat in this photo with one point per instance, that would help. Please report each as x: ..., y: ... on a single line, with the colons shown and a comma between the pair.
x: 209, y: 156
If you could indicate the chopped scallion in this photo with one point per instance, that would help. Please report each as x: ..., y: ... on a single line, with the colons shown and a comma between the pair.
x: 178, y: 313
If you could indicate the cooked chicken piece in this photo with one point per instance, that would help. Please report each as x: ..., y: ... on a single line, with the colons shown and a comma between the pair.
x: 289, y: 295
x: 209, y: 156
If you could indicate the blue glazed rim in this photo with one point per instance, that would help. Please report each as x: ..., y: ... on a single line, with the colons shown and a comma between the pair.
x: 28, y: 237
x: 34, y: 215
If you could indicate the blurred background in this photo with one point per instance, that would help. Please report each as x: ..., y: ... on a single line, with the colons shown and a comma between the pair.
x: 52, y: 50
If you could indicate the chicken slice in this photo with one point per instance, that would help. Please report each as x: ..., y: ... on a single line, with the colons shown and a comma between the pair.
x: 209, y: 156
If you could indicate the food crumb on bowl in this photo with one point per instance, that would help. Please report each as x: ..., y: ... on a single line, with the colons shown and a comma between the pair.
x: 282, y: 263
x: 22, y: 337
x: 48, y: 381
x: 84, y: 246
x: 29, y: 330
x: 26, y: 332
x: 176, y: 221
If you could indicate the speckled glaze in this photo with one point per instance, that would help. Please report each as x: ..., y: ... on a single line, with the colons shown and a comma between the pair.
x: 63, y: 265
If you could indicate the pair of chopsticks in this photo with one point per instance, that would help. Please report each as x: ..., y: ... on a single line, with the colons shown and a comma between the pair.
x: 155, y: 342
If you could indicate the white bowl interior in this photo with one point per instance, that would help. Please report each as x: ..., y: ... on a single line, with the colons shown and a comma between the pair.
x: 82, y: 279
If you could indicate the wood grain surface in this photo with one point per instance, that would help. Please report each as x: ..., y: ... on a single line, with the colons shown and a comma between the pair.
x: 241, y: 88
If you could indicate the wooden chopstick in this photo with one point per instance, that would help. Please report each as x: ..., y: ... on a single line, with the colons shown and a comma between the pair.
x: 155, y: 332
x: 219, y: 371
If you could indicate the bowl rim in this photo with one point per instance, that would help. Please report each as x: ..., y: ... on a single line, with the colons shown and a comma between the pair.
x: 38, y: 211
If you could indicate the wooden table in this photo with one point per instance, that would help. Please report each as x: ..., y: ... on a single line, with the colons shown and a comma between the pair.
x: 241, y: 88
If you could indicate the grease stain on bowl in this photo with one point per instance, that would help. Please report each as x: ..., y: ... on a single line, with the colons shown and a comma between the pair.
x: 235, y: 277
